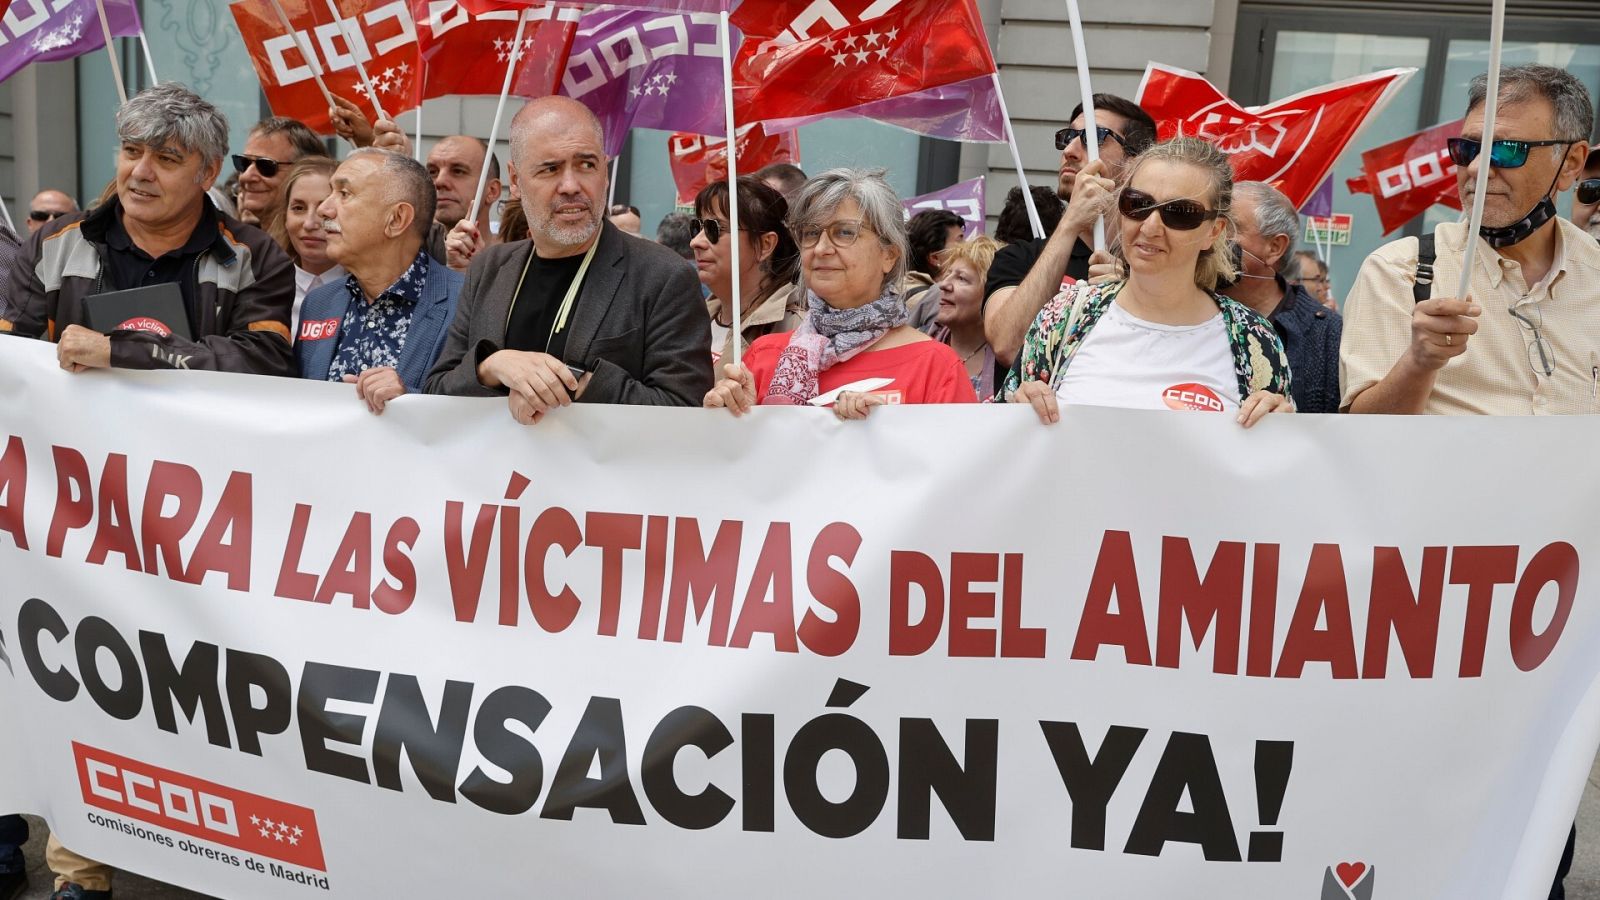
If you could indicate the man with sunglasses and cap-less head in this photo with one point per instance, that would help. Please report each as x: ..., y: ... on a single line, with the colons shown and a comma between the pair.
x: 46, y: 207
x: 273, y: 146
x: 1026, y: 274
x: 1586, y: 199
x: 1526, y: 339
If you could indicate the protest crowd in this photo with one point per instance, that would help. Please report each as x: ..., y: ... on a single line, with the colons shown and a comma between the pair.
x: 387, y: 274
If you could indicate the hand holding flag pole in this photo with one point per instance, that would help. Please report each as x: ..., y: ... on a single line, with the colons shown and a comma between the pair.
x: 1491, y: 104
x: 736, y: 300
x: 1091, y: 134
x: 361, y: 69
x: 299, y: 41
x: 499, y: 112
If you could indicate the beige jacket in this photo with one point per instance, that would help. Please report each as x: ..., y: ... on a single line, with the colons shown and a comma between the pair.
x: 779, y: 312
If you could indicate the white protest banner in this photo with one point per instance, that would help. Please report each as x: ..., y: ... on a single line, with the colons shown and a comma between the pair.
x: 261, y: 643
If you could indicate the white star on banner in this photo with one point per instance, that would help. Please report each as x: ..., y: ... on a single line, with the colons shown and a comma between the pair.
x: 871, y: 38
x: 861, y: 55
x: 293, y: 841
x: 670, y: 78
x: 404, y: 68
x: 882, y: 51
x: 841, y: 58
x: 850, y: 41
x: 265, y: 832
x: 892, y: 32
x: 828, y: 44
x: 297, y: 831
x: 633, y: 91
x: 277, y: 836
x: 255, y: 820
x: 271, y: 824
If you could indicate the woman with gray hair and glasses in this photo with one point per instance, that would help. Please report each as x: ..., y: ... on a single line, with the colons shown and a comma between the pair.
x: 854, y: 351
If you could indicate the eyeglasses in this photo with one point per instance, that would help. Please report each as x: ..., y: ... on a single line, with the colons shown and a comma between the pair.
x: 1540, y: 355
x: 714, y: 230
x: 1180, y: 214
x: 47, y: 215
x: 266, y: 166
x: 1067, y: 135
x: 1313, y: 279
x: 842, y: 233
x: 1589, y: 190
x: 1504, y: 155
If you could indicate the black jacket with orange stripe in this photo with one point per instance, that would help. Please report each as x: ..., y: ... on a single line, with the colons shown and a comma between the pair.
x: 243, y: 284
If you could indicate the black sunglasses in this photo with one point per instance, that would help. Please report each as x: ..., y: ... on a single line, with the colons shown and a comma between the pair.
x: 1588, y: 191
x: 714, y: 230
x: 1180, y: 214
x: 46, y: 215
x: 266, y: 166
x: 1067, y: 135
x: 1504, y: 154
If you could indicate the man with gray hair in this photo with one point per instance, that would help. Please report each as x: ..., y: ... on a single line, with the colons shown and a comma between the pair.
x: 1267, y: 226
x: 579, y: 311
x: 383, y: 326
x: 237, y: 285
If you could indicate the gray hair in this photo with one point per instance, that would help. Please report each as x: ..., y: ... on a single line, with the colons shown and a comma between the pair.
x: 408, y: 182
x: 1566, y: 94
x: 528, y: 119
x: 1275, y: 215
x: 880, y: 210
x: 171, y: 115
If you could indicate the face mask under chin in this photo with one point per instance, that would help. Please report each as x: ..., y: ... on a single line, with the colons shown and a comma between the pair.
x: 1518, y: 231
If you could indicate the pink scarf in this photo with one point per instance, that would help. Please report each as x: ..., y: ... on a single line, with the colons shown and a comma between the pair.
x: 829, y: 336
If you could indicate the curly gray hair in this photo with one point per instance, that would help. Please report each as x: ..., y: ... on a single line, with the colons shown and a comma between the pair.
x: 880, y: 210
x: 171, y: 115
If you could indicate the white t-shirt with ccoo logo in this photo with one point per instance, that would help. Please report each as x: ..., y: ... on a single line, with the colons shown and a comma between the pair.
x: 1129, y: 363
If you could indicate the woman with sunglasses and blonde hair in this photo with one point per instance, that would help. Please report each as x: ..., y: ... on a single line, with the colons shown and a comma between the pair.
x: 1162, y: 338
x: 855, y: 349
x: 768, y: 264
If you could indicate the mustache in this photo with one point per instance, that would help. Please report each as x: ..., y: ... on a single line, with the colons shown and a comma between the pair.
x: 329, y: 226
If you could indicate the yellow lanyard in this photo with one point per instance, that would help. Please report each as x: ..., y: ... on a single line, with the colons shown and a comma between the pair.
x: 566, y: 302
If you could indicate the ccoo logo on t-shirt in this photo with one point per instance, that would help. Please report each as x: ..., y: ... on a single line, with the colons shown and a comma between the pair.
x: 1192, y: 396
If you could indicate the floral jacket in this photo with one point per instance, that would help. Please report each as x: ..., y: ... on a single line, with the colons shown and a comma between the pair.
x: 1058, y: 332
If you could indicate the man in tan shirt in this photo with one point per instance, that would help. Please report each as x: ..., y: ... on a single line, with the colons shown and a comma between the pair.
x: 1526, y: 339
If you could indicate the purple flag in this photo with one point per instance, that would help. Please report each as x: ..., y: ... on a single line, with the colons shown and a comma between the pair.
x: 647, y: 69
x: 1321, y: 202
x: 48, y: 30
x: 965, y: 199
x: 964, y: 111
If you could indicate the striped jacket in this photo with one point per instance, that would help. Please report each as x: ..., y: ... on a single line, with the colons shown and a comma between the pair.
x: 243, y: 284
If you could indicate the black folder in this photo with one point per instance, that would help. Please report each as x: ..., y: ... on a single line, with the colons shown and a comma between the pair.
x: 156, y: 308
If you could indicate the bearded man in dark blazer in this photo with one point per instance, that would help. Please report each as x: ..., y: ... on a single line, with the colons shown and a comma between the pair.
x: 580, y: 311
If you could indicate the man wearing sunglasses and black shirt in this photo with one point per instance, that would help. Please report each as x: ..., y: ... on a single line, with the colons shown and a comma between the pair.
x: 47, y: 206
x: 1586, y: 199
x: 1026, y: 274
x: 273, y: 146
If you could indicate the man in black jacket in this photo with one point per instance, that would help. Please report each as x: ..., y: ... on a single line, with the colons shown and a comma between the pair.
x: 580, y: 311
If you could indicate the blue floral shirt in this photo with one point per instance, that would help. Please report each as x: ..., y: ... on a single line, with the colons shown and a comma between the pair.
x: 373, y: 334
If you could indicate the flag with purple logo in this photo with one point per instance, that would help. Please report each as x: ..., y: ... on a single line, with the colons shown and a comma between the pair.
x: 964, y: 111
x: 644, y: 68
x: 49, y: 30
x: 1321, y: 203
x: 965, y: 199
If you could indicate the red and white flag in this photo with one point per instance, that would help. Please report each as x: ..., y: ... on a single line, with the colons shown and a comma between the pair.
x: 466, y: 52
x: 1291, y: 143
x: 698, y: 159
x: 915, y: 46
x: 1407, y: 176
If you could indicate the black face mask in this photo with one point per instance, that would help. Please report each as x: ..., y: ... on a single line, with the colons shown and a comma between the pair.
x: 1238, y: 270
x: 1518, y: 231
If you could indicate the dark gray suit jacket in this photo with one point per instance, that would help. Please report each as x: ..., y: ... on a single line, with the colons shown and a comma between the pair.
x: 640, y: 324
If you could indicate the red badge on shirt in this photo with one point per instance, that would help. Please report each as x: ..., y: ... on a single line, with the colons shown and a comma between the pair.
x: 1192, y: 396
x: 319, y: 329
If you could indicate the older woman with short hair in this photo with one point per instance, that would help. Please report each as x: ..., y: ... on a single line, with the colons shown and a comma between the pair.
x: 854, y: 351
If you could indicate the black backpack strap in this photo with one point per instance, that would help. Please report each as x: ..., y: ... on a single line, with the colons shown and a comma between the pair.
x: 1423, y: 288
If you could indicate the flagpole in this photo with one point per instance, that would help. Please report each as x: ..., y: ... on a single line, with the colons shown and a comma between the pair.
x: 6, y: 211
x: 149, y: 61
x: 611, y: 191
x: 1091, y: 135
x: 111, y: 51
x: 733, y: 184
x: 1491, y: 106
x: 361, y: 69
x: 1016, y: 157
x: 305, y: 51
x: 499, y: 112
x: 422, y: 79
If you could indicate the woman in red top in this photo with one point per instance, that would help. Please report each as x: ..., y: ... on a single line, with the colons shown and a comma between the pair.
x: 855, y: 350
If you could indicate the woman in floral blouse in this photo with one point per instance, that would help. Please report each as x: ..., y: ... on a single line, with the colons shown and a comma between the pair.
x: 1163, y: 338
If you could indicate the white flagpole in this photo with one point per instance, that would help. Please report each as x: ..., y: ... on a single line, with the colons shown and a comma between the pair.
x: 1091, y: 137
x: 611, y: 191
x: 422, y: 78
x: 361, y: 69
x: 111, y: 51
x: 6, y: 211
x: 305, y: 51
x: 733, y: 183
x: 1491, y: 106
x: 1016, y: 157
x: 499, y: 112
x: 149, y: 61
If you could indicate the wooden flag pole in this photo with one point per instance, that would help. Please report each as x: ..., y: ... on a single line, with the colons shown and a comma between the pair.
x: 1091, y: 137
x: 361, y: 69
x: 1016, y: 157
x: 305, y: 51
x: 149, y: 61
x: 733, y: 186
x: 111, y: 51
x: 1491, y: 106
x: 499, y: 112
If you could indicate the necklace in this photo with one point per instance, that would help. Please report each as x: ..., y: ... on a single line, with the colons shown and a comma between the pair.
x: 968, y: 358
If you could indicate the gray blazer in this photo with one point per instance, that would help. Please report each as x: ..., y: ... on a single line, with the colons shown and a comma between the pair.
x: 640, y: 324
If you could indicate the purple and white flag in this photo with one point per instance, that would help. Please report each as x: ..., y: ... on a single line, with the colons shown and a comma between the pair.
x: 964, y: 111
x: 965, y: 199
x: 647, y: 69
x: 49, y: 30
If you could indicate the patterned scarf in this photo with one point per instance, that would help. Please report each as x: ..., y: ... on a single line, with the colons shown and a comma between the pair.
x: 829, y: 336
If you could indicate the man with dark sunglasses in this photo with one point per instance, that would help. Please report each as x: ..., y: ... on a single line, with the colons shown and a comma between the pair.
x: 274, y: 145
x: 1586, y: 198
x: 1026, y: 274
x: 47, y: 206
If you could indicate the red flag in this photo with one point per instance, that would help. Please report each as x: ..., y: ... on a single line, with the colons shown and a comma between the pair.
x: 788, y: 21
x: 704, y: 6
x: 1407, y: 176
x: 1291, y: 143
x: 466, y: 53
x: 698, y: 160
x: 917, y: 45
x: 385, y: 40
